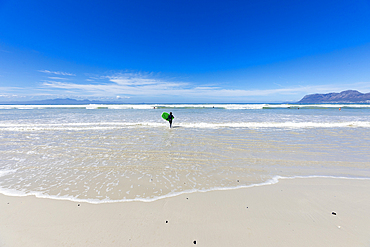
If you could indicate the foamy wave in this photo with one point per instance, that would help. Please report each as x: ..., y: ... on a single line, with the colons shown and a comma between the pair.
x: 288, y: 125
x: 272, y: 181
x: 76, y: 126
x: 6, y: 172
x: 316, y: 106
x: 137, y: 106
x: 187, y: 106
x: 120, y: 125
x: 217, y: 106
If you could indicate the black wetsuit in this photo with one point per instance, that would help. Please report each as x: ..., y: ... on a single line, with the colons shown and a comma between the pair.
x: 170, y: 117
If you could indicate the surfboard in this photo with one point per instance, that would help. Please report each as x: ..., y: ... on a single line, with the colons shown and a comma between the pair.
x: 165, y: 115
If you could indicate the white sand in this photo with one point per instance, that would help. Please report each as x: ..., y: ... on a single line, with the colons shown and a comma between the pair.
x: 294, y: 212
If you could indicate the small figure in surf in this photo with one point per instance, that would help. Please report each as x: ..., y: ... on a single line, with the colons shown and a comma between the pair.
x: 170, y: 117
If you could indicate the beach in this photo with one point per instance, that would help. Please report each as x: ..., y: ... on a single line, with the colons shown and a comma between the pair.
x: 224, y: 175
x: 293, y: 212
x: 184, y: 123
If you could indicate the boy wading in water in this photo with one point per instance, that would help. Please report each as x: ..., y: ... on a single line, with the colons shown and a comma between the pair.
x: 170, y: 117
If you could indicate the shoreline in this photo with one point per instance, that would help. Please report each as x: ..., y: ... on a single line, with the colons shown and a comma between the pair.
x: 272, y: 181
x: 292, y: 212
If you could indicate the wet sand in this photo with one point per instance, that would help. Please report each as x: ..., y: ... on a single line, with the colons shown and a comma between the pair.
x: 293, y: 212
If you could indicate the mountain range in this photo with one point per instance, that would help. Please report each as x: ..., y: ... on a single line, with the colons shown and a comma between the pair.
x: 349, y: 96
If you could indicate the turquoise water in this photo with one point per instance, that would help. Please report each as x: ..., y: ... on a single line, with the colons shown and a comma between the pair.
x: 108, y: 153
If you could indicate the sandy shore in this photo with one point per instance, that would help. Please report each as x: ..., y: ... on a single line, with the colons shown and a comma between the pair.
x: 294, y: 212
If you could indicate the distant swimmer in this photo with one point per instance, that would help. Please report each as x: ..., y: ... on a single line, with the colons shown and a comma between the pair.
x: 170, y: 117
x: 340, y: 108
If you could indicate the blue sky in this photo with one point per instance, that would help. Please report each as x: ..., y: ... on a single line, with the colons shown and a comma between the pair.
x: 183, y: 51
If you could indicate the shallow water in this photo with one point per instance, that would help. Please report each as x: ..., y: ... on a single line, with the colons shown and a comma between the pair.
x: 107, y: 153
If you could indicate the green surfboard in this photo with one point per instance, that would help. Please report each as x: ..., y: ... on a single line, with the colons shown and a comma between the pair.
x: 165, y: 116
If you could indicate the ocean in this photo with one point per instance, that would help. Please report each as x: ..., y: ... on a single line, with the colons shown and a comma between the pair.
x: 113, y: 153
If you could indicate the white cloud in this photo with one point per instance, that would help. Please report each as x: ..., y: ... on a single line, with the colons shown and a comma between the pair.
x: 10, y: 89
x: 57, y: 78
x: 157, y: 87
x: 11, y: 96
x: 56, y: 72
x: 124, y: 84
x: 120, y: 97
x: 144, y: 85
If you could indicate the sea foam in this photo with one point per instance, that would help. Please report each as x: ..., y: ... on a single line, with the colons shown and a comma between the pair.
x: 272, y: 181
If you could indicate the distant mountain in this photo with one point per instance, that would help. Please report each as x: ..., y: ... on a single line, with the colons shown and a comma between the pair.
x: 55, y: 102
x: 349, y: 96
